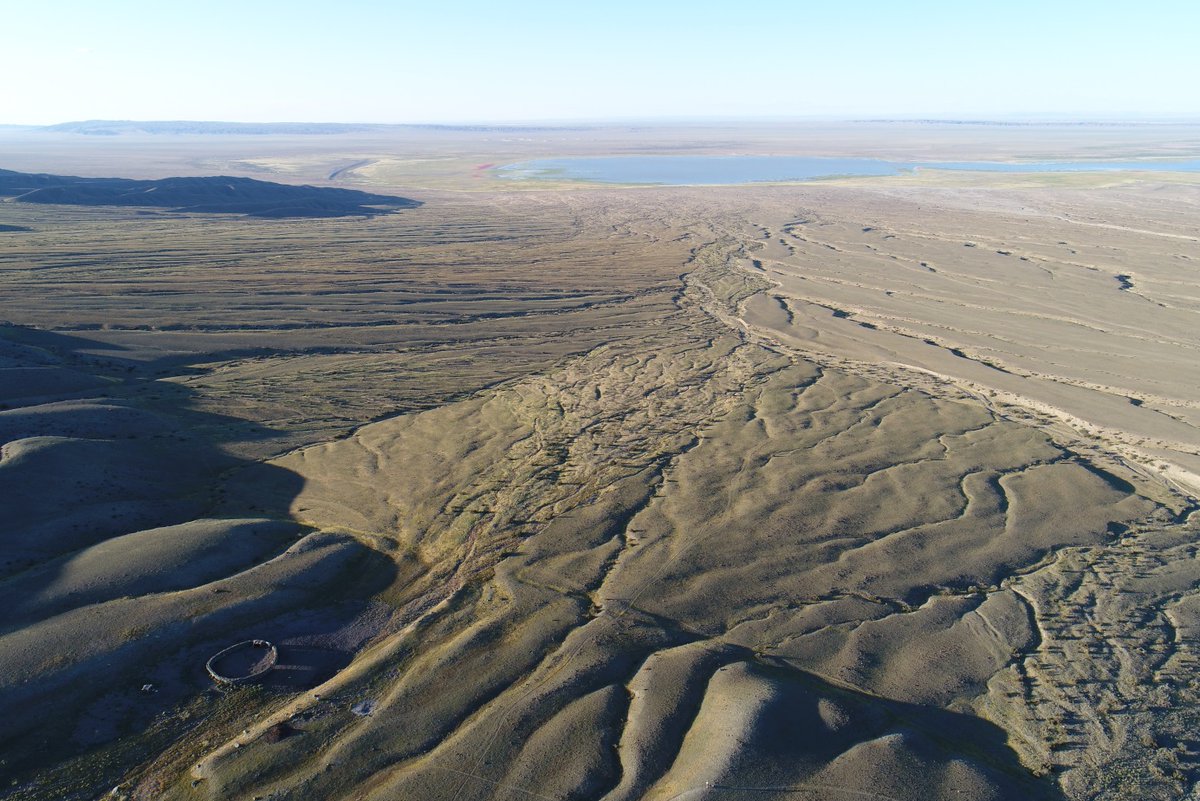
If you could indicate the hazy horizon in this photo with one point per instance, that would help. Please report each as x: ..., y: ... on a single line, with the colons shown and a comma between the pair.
x: 931, y: 118
x: 473, y: 62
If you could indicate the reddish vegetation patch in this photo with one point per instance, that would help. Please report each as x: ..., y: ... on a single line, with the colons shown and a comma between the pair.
x: 280, y: 731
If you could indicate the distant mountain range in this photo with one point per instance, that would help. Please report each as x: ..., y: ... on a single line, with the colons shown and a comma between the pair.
x: 194, y: 128
x: 1052, y: 123
x: 218, y: 195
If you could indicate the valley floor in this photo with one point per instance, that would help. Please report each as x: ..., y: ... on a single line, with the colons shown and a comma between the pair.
x: 833, y: 491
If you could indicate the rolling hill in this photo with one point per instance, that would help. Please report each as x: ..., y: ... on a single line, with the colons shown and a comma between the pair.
x: 217, y: 194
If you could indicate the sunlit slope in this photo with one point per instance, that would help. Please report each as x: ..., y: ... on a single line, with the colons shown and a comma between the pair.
x: 1074, y: 308
x: 680, y: 565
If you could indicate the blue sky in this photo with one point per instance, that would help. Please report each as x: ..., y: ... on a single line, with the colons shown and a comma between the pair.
x: 430, y: 61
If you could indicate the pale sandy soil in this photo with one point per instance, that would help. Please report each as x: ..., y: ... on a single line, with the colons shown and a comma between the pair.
x: 852, y: 490
x: 1076, y: 307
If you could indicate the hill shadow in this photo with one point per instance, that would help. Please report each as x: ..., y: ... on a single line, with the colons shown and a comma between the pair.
x: 922, y: 737
x: 103, y: 461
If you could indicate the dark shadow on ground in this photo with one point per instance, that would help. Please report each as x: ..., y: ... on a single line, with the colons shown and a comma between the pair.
x: 98, y: 447
x: 902, y: 737
x: 301, y: 668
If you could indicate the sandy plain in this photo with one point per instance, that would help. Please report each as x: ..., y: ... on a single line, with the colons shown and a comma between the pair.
x: 855, y: 489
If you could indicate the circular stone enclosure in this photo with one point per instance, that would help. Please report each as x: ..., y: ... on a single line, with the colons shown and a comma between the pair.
x: 242, y: 662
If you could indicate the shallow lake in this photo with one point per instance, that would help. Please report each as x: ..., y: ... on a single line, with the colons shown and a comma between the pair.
x: 687, y: 170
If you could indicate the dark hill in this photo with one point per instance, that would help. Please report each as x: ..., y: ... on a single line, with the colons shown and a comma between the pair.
x: 219, y: 195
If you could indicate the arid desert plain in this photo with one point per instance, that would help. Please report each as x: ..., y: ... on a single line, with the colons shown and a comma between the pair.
x: 856, y: 488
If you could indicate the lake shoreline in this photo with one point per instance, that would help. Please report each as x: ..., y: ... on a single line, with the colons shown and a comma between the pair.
x: 734, y: 170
